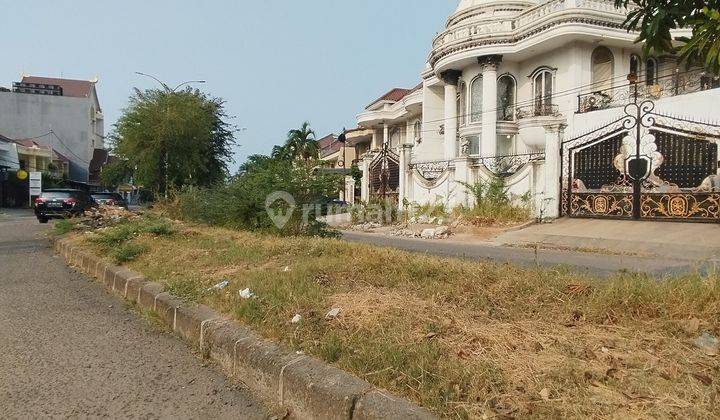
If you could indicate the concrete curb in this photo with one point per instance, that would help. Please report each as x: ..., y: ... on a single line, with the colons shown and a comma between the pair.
x: 307, y: 387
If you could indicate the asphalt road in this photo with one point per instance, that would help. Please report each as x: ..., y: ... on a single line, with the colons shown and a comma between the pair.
x: 598, y: 264
x: 68, y: 349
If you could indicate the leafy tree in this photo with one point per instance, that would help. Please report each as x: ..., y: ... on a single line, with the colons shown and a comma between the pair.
x: 655, y: 19
x: 172, y: 139
x: 115, y: 173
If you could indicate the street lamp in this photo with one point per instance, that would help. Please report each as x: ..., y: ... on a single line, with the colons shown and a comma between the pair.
x: 164, y: 85
x: 168, y: 90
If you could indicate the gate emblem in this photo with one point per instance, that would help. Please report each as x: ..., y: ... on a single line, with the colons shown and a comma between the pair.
x: 601, y: 205
x: 678, y: 206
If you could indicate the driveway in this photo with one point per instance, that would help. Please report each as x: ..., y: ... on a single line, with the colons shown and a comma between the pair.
x: 68, y: 349
x: 599, y: 264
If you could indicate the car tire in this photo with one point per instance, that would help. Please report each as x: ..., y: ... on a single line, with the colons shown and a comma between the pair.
x: 42, y: 219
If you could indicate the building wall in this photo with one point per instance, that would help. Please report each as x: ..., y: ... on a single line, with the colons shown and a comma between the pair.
x: 27, y: 115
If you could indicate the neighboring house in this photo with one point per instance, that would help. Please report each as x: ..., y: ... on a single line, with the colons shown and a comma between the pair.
x: 536, y: 92
x: 36, y: 157
x: 60, y: 113
x: 8, y: 154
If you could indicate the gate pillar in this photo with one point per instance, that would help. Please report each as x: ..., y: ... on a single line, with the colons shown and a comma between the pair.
x: 365, y: 184
x: 550, y: 201
x: 404, y: 162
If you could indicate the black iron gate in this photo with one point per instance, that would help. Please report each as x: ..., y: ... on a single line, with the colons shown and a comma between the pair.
x: 385, y: 175
x: 643, y: 166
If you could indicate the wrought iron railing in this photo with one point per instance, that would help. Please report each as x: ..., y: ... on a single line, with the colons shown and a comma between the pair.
x: 431, y: 169
x: 540, y: 109
x: 679, y: 83
x: 508, y: 164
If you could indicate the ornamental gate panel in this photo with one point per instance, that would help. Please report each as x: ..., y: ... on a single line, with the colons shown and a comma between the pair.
x: 385, y: 175
x: 643, y: 166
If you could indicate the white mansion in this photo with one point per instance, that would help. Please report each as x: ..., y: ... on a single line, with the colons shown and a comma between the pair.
x: 555, y: 97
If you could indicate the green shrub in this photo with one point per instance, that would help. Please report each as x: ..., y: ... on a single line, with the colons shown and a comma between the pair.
x: 493, y: 204
x: 241, y: 204
x: 63, y: 226
x: 127, y: 251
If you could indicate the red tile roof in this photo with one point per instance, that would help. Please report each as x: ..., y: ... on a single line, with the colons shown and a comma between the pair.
x: 326, y: 141
x: 70, y: 87
x: 395, y: 95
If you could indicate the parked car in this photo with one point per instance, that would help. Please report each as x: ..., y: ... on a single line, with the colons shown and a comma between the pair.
x: 61, y: 203
x: 110, y: 199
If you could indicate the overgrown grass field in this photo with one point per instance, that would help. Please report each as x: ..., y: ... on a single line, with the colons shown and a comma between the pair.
x: 465, y: 339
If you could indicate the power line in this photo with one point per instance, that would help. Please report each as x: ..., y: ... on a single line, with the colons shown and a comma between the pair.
x: 68, y: 148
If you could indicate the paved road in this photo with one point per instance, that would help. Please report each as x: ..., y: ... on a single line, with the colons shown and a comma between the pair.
x: 598, y: 264
x: 68, y: 349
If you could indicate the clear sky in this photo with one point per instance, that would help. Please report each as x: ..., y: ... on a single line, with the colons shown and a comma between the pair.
x: 276, y: 63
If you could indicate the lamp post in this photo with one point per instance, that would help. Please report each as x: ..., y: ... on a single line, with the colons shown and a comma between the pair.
x: 170, y: 91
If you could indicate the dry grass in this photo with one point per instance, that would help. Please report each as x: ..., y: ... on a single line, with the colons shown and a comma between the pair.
x: 465, y: 339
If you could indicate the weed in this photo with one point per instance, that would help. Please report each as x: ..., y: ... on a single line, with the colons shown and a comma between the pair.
x: 63, y: 226
x: 126, y: 251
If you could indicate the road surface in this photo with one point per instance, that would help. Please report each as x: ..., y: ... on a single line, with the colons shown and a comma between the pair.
x: 68, y: 349
x: 598, y: 264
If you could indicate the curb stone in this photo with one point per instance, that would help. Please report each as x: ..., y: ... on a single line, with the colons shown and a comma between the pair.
x: 306, y: 386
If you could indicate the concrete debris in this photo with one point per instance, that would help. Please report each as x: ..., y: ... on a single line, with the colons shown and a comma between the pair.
x: 103, y: 215
x: 440, y: 232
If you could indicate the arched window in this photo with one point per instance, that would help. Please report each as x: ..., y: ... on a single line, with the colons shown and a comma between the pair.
x: 506, y: 98
x: 603, y: 65
x: 476, y: 93
x: 543, y: 90
x: 651, y: 71
x: 417, y: 128
x: 461, y: 104
x: 635, y: 64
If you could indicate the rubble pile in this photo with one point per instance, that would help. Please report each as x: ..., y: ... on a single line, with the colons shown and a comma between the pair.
x: 103, y: 215
x: 440, y: 232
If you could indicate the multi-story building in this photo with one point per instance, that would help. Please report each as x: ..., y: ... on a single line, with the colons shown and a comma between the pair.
x: 62, y: 114
x: 556, y: 98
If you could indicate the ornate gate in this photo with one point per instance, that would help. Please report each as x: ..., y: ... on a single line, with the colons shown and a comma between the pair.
x: 643, y: 166
x: 385, y: 175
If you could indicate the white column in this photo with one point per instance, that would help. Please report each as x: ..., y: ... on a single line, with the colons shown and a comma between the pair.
x: 551, y: 191
x: 365, y: 184
x: 386, y: 129
x: 488, y: 139
x: 405, y: 155
x: 450, y: 77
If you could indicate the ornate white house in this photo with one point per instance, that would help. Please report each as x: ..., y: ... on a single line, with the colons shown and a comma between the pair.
x: 555, y: 97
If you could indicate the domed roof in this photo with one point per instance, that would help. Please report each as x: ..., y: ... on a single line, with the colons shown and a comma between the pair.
x: 468, y: 4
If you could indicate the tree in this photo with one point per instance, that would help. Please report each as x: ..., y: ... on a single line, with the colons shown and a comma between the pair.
x: 301, y: 143
x: 655, y: 19
x: 172, y: 139
x: 115, y: 173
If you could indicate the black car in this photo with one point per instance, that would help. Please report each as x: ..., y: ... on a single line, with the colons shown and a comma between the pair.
x: 61, y: 203
x: 109, y: 199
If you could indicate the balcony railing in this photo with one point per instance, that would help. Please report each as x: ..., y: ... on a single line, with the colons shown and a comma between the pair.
x: 537, y: 110
x: 663, y: 87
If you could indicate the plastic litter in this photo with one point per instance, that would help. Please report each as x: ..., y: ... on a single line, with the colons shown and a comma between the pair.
x: 223, y: 284
x: 334, y: 312
x: 708, y: 343
x: 286, y: 269
x: 297, y: 318
x: 246, y: 294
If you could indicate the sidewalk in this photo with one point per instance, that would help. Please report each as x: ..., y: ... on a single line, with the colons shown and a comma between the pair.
x: 685, y: 241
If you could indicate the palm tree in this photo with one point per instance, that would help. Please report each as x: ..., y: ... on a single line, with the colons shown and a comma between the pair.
x: 301, y: 143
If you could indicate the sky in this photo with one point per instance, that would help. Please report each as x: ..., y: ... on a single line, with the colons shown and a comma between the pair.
x: 276, y: 63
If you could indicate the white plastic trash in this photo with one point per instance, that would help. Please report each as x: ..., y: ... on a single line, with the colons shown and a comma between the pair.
x: 246, y: 294
x: 296, y: 319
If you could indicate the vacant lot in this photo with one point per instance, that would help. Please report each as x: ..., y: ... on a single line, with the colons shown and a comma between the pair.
x: 465, y: 339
